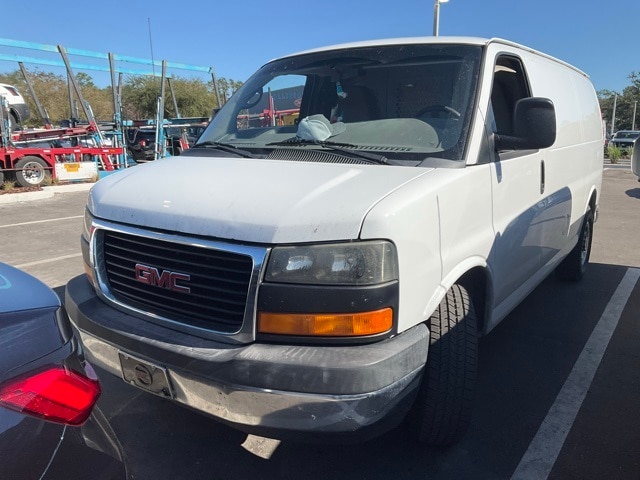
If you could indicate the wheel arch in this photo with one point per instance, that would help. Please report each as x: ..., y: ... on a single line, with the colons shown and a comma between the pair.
x: 475, y: 276
x: 593, y: 202
x: 477, y: 283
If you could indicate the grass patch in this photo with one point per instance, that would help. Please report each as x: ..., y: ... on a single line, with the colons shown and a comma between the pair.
x: 8, y: 185
x: 614, y: 153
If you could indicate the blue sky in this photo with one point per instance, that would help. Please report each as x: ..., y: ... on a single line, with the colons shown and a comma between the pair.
x: 601, y: 38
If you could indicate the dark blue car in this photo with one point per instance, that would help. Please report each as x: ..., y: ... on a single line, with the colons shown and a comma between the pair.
x: 49, y: 425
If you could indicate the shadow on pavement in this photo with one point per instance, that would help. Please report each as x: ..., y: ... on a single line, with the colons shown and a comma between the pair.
x: 634, y: 193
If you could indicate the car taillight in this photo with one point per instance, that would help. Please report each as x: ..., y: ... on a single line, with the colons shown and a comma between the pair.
x: 55, y: 394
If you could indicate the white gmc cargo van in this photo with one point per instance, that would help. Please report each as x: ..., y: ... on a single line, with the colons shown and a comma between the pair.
x: 325, y: 258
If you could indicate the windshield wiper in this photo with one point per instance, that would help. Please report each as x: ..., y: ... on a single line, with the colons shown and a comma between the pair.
x: 335, y: 146
x: 226, y: 147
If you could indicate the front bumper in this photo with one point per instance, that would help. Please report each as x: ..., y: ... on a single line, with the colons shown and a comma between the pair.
x: 262, y: 388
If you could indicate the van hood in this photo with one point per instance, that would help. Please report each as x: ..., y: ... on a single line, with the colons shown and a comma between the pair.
x: 248, y: 200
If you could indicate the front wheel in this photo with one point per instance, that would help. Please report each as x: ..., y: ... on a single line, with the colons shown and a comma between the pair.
x: 31, y: 171
x: 575, y: 264
x: 442, y: 410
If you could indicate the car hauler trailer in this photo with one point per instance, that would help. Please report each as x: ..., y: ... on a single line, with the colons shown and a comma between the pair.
x: 66, y: 154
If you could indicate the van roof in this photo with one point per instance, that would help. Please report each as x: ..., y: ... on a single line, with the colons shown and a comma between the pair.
x: 481, y: 42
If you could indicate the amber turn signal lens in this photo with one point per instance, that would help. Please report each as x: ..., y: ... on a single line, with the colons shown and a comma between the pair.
x: 89, y: 272
x: 326, y: 324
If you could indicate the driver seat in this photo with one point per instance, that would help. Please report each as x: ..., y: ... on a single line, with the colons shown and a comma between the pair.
x: 360, y: 105
x: 414, y: 97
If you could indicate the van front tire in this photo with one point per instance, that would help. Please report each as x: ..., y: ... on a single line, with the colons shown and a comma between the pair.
x: 572, y: 268
x: 442, y: 410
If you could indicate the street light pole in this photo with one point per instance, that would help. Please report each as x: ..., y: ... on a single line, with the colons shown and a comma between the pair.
x: 635, y: 104
x: 613, y: 115
x: 436, y: 16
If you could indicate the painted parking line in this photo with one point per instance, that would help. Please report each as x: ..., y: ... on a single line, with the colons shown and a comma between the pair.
x: 48, y: 260
x: 41, y: 221
x: 538, y: 460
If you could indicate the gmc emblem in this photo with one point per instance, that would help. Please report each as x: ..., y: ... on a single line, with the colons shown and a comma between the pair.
x: 165, y: 279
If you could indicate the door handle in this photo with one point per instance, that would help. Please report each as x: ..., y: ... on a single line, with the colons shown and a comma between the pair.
x: 542, y: 176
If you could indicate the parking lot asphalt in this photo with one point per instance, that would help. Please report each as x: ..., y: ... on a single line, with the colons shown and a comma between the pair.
x: 558, y: 388
x: 43, y: 194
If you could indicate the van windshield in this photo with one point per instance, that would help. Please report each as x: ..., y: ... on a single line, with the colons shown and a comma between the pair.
x: 403, y: 103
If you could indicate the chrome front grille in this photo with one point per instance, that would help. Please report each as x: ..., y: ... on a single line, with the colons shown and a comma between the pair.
x: 186, y: 283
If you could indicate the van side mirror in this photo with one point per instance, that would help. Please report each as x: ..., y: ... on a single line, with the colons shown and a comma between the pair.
x: 534, y: 126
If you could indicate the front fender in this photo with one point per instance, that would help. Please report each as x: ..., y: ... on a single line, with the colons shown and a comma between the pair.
x: 454, y: 276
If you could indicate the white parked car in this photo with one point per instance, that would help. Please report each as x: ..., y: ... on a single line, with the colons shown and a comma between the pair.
x: 330, y: 269
x: 18, y: 109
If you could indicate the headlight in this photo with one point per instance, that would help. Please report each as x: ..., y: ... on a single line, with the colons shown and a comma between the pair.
x: 86, y: 227
x: 87, y: 230
x: 357, y: 263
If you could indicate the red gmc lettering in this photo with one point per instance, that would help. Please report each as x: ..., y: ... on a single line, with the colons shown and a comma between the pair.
x: 167, y: 279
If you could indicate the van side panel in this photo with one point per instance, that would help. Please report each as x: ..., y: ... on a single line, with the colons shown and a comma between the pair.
x: 592, y: 132
x: 439, y: 221
x: 564, y: 164
x: 484, y: 214
x: 539, y: 198
x: 591, y: 114
x: 576, y: 159
x: 467, y: 234
x: 522, y: 207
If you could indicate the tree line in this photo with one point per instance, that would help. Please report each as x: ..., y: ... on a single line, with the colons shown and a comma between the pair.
x: 625, y: 104
x: 195, y: 97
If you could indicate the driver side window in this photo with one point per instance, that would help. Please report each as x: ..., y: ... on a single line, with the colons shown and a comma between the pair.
x: 509, y: 85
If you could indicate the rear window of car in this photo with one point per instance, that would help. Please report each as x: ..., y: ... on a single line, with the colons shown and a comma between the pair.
x: 627, y: 134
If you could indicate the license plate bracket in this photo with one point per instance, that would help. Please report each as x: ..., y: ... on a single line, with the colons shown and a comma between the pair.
x: 145, y: 375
